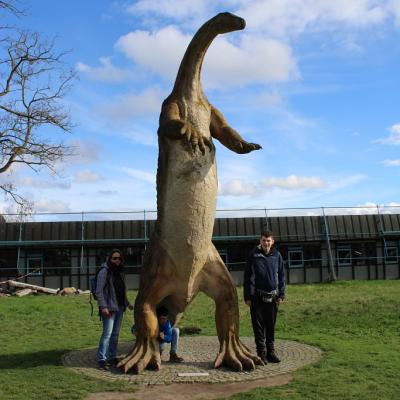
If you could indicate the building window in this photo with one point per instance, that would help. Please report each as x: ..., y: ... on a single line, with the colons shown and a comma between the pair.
x: 343, y: 255
x: 312, y: 255
x: 58, y: 262
x: 295, y: 258
x: 34, y: 265
x: 223, y: 253
x: 133, y: 256
x: 391, y: 256
x: 363, y: 253
x: 8, y: 262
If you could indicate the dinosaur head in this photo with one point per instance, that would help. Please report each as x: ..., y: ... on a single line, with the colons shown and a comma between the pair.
x: 188, y: 79
x: 227, y: 22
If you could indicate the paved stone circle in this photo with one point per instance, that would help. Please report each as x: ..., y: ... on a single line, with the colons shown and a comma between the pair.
x: 199, y: 353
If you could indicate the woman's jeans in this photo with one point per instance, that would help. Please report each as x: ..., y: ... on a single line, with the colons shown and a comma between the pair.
x: 109, y: 338
x: 174, y: 341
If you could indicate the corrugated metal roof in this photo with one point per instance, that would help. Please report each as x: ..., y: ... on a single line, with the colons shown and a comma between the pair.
x: 287, y: 229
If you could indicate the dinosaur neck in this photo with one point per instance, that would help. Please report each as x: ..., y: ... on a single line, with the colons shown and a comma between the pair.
x: 187, y: 83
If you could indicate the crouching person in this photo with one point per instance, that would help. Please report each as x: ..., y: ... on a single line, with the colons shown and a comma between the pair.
x: 168, y: 334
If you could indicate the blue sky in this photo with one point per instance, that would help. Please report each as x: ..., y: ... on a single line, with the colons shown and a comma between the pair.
x: 315, y: 82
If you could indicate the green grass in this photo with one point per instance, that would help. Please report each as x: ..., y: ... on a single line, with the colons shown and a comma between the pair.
x: 356, y: 324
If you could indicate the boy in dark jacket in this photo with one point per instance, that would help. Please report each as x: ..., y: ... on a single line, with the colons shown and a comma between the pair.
x: 264, y: 290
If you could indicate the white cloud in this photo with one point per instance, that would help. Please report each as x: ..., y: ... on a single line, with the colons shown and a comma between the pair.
x: 168, y: 8
x: 159, y: 52
x: 139, y: 135
x: 41, y: 184
x: 47, y: 205
x: 132, y: 105
x: 276, y: 17
x: 391, y: 163
x: 85, y: 152
x: 125, y: 116
x: 394, y: 6
x: 107, y: 192
x: 370, y: 207
x: 269, y: 99
x: 106, y: 72
x: 138, y: 174
x: 293, y: 182
x: 254, y: 59
x: 285, y: 18
x: 393, y: 138
x: 239, y: 187
x: 286, y: 185
x: 263, y: 53
x: 347, y: 181
x: 87, y: 177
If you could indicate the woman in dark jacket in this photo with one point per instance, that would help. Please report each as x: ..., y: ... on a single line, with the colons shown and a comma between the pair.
x: 111, y: 293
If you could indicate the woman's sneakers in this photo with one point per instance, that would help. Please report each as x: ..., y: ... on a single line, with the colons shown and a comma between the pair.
x: 106, y: 364
x: 102, y: 364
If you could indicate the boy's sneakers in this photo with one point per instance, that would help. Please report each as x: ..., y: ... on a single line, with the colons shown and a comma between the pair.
x: 263, y: 356
x: 272, y: 357
x: 174, y: 358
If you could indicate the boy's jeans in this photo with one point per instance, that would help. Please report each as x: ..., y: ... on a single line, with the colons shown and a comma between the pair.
x: 109, y: 338
x: 174, y: 341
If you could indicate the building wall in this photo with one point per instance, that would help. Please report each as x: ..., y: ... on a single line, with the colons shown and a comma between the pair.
x: 64, y: 264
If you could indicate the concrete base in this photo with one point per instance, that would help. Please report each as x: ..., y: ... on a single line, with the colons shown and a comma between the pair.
x: 199, y: 353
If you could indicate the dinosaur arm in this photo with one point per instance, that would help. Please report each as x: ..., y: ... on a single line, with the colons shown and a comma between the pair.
x: 231, y: 139
x: 174, y: 127
x: 171, y: 124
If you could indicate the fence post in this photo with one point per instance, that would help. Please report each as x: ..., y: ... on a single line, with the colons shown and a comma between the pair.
x: 382, y: 233
x: 145, y: 229
x: 266, y: 219
x: 82, y: 239
x: 19, y: 247
x: 332, y: 272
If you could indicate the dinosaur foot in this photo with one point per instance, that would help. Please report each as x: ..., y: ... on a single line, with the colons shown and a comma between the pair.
x: 145, y: 354
x: 236, y: 356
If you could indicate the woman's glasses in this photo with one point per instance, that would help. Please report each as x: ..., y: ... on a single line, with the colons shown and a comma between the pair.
x: 115, y: 258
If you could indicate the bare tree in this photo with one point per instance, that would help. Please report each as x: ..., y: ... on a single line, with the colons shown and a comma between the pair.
x: 33, y: 83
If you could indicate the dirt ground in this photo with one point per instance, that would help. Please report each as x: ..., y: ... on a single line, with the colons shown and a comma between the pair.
x: 184, y: 391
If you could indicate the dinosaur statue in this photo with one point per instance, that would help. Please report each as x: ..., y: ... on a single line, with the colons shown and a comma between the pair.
x: 181, y: 260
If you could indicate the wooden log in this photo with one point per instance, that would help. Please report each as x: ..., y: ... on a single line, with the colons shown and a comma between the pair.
x: 23, y: 292
x: 67, y: 291
x: 33, y: 287
x: 79, y: 291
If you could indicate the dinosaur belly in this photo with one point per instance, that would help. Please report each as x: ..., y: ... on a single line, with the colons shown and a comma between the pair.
x: 188, y: 207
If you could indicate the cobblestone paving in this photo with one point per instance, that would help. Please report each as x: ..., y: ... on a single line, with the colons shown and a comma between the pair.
x: 199, y: 353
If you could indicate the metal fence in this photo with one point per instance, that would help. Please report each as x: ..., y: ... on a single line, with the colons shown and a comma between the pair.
x: 82, y: 261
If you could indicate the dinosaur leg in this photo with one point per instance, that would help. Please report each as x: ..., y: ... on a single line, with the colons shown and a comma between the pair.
x: 145, y: 352
x: 217, y: 283
x: 154, y: 287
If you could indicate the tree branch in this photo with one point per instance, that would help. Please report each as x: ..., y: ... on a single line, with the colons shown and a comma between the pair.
x: 33, y: 84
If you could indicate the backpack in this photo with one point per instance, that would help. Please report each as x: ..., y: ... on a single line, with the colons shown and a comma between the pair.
x: 93, y: 286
